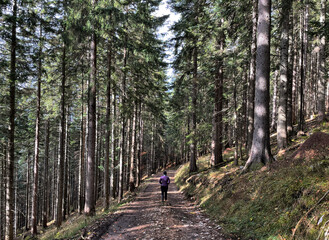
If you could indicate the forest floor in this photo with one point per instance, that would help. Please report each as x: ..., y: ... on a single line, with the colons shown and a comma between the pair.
x: 287, y: 200
x: 148, y: 218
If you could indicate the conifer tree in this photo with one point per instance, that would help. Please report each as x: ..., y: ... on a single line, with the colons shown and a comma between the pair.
x: 9, y: 234
x: 282, y: 136
x: 260, y: 150
x: 322, y: 83
x: 90, y: 179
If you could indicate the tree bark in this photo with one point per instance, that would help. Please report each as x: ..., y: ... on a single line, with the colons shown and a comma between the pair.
x: 295, y: 75
x: 140, y: 149
x: 303, y: 63
x: 282, y: 136
x: 152, y: 158
x: 217, y: 145
x: 236, y: 119
x: 27, y: 193
x: 113, y: 147
x: 123, y: 127
x: 66, y: 167
x: 138, y: 136
x: 132, y: 179
x: 193, y: 146
x: 108, y: 130
x: 127, y: 155
x: 54, y: 181
x: 89, y: 208
x: 98, y: 146
x: 9, y: 233
x: 291, y: 59
x: 34, y: 230
x: 260, y: 150
x: 322, y: 82
x: 2, y: 191
x: 81, y: 185
x: 61, y: 156
x: 274, y: 101
x: 252, y: 76
x: 46, y: 177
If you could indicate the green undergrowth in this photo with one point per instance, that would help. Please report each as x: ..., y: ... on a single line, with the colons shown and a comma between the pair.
x: 263, y: 204
x: 79, y: 224
x: 72, y: 228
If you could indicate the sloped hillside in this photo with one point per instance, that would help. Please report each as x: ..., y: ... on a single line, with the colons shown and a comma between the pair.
x: 289, y: 200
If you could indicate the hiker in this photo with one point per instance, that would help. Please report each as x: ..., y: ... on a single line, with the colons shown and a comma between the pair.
x: 164, y: 181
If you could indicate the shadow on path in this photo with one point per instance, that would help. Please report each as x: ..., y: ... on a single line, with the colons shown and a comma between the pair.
x: 148, y: 218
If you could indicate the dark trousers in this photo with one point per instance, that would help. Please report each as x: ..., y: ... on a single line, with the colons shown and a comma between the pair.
x: 164, y: 190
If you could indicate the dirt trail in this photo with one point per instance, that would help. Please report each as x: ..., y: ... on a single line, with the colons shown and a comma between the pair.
x: 148, y: 218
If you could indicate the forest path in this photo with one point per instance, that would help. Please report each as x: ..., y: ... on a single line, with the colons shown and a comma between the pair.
x: 147, y: 218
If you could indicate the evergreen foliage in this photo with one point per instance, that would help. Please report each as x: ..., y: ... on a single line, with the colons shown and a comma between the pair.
x: 142, y: 119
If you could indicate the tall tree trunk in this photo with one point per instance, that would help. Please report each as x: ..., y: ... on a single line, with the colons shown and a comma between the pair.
x: 193, y: 146
x: 2, y: 191
x: 66, y: 166
x: 217, y: 145
x: 81, y: 184
x: 313, y: 82
x: 34, y: 230
x: 141, y: 142
x: 274, y: 101
x: 46, y: 177
x: 127, y: 155
x: 252, y: 76
x: 295, y: 75
x: 290, y: 79
x: 138, y: 140
x: 303, y: 63
x: 108, y: 129
x: 236, y: 119
x: 9, y: 235
x: 15, y: 204
x: 113, y: 147
x: 260, y: 150
x: 97, y: 151
x: 123, y: 127
x: 90, y: 174
x: 54, y: 182
x: 132, y: 179
x: 188, y: 132
x: 152, y: 158
x: 27, y: 193
x: 322, y: 82
x: 89, y: 208
x: 61, y: 155
x: 282, y: 136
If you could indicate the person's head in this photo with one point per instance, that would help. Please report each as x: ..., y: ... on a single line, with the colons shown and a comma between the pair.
x: 164, y: 173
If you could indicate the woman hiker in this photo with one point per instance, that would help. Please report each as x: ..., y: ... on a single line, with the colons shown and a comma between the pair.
x: 164, y: 181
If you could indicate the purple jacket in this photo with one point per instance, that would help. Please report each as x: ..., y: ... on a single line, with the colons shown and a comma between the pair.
x: 164, y: 181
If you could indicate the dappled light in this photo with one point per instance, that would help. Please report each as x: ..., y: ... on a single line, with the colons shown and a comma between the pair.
x: 150, y: 218
x: 164, y: 119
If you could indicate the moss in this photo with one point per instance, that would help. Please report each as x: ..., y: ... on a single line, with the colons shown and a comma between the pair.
x: 262, y: 204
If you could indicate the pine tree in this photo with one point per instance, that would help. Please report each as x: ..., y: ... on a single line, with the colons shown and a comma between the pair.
x: 322, y: 63
x: 260, y: 150
x: 282, y: 135
x: 90, y: 179
x: 36, y: 142
x: 9, y: 234
x: 252, y: 75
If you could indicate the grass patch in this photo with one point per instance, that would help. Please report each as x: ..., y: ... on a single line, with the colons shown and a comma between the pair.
x: 72, y: 227
x: 77, y: 223
x: 263, y: 204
